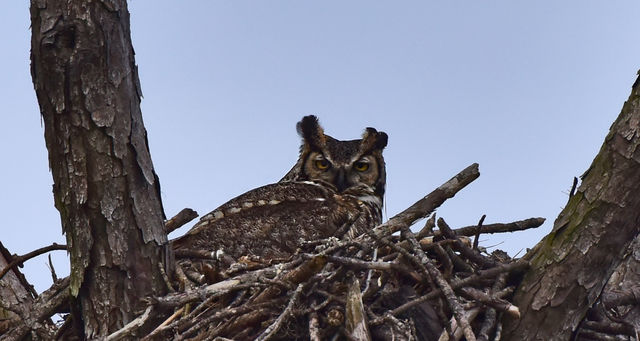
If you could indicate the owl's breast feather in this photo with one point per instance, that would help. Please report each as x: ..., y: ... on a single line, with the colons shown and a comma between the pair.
x: 273, y: 220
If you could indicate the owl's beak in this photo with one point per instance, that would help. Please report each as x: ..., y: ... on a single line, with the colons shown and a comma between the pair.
x: 341, y: 180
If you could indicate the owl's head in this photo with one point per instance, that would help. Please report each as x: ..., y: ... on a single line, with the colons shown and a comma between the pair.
x: 344, y: 164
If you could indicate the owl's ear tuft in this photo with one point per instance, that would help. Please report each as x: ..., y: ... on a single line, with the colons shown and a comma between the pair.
x: 381, y: 140
x: 311, y: 132
x: 373, y: 140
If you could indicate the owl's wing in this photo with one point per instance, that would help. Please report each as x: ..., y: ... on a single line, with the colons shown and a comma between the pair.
x: 271, y: 221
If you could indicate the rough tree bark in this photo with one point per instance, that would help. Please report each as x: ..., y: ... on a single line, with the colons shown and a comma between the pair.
x: 16, y: 298
x: 619, y: 303
x: 105, y: 187
x: 589, y: 240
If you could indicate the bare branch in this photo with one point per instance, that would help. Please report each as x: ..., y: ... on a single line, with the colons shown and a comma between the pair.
x: 275, y: 326
x: 180, y: 219
x: 17, y: 260
x: 355, y: 324
x: 44, y: 306
x: 482, y: 274
x: 476, y: 238
x: 131, y: 326
x: 430, y: 202
x: 447, y: 291
x: 497, y: 228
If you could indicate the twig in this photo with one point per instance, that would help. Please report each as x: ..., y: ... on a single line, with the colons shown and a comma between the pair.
x: 201, y: 307
x: 8, y: 256
x: 62, y: 329
x: 395, y: 324
x: 444, y: 259
x: 482, y: 274
x: 131, y: 326
x: 367, y: 283
x: 331, y: 296
x: 497, y: 228
x: 16, y: 260
x: 430, y: 202
x: 275, y: 326
x: 385, y: 241
x: 43, y: 307
x: 498, y: 334
x: 199, y: 323
x: 54, y: 276
x: 490, y: 316
x: 447, y: 291
x: 165, y: 278
x: 360, y: 264
x: 458, y: 262
x: 295, y: 276
x: 180, y: 219
x: 167, y: 321
x: 476, y: 239
x: 573, y: 187
x: 487, y: 325
x: 492, y: 301
x: 216, y: 289
x: 314, y: 327
x: 427, y: 229
x: 356, y: 324
x: 456, y: 328
x: 465, y: 250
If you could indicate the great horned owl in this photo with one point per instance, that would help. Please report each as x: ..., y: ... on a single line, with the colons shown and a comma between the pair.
x: 335, y: 188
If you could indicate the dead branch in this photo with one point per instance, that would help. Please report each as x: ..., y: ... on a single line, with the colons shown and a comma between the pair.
x: 465, y: 250
x: 43, y: 308
x: 180, y: 219
x: 426, y: 205
x: 360, y: 264
x: 497, y: 228
x: 314, y: 326
x: 355, y: 324
x: 491, y: 316
x: 476, y: 238
x: 275, y: 326
x: 483, y: 274
x: 447, y: 291
x: 131, y: 326
x: 494, y: 301
x: 17, y: 260
x: 214, y: 290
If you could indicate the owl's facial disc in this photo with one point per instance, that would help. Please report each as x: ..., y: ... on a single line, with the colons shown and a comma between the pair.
x: 358, y: 171
x: 363, y: 170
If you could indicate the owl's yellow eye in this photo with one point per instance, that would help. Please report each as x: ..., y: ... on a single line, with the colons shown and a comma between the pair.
x: 322, y: 164
x: 361, y: 166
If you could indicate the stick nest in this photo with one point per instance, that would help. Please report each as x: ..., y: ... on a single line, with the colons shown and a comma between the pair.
x: 389, y: 284
x: 411, y: 286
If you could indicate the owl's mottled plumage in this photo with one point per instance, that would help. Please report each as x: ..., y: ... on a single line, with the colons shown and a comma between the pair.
x: 335, y: 189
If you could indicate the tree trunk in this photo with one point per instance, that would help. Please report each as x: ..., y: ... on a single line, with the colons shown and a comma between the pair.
x: 589, y: 240
x: 105, y: 187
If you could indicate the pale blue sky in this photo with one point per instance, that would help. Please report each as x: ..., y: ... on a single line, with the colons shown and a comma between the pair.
x: 526, y: 89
